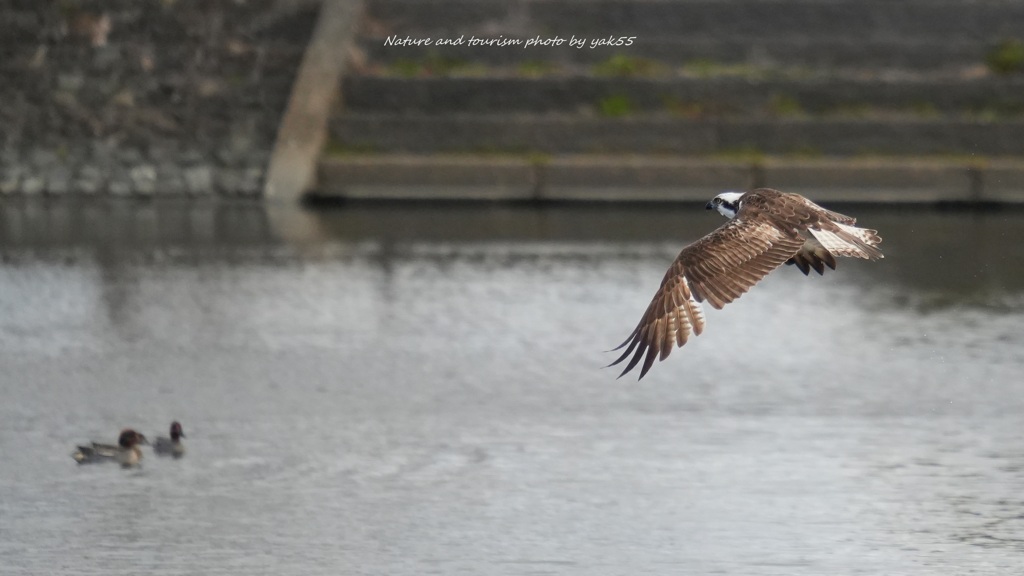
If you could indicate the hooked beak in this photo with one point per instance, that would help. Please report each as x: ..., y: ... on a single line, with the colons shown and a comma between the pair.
x: 709, y: 206
x: 143, y: 440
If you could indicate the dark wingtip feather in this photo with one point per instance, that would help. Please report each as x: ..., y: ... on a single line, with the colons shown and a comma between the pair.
x: 632, y: 341
x: 629, y: 339
x: 637, y: 355
x: 648, y: 362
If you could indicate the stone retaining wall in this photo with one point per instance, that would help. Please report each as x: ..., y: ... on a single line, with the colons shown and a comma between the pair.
x: 155, y: 97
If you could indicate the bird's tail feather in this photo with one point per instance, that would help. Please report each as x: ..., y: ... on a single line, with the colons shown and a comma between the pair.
x: 850, y: 241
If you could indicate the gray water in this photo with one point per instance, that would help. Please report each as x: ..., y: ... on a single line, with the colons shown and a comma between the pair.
x: 408, y: 391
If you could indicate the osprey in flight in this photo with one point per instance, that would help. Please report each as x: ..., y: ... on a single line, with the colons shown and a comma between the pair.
x: 765, y: 228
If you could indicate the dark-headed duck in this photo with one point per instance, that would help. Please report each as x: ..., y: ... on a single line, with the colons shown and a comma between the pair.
x: 171, y: 446
x: 126, y: 452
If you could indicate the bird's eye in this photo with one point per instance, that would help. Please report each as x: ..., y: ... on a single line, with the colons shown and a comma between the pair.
x: 717, y: 200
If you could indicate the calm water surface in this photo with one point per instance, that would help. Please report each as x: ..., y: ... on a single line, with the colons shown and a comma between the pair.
x: 408, y: 391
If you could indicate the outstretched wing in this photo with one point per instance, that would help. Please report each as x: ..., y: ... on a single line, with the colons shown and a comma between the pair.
x: 719, y: 268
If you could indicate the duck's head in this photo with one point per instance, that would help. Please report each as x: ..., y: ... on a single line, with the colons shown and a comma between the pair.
x: 176, y: 431
x: 130, y: 438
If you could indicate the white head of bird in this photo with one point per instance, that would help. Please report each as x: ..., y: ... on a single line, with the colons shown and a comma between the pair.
x: 727, y: 204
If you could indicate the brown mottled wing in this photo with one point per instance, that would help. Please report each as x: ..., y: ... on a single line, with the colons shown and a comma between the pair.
x: 835, y: 216
x: 719, y: 268
x: 829, y: 234
x: 672, y: 316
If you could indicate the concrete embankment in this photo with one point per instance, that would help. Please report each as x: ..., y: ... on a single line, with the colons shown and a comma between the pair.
x: 843, y: 100
x: 861, y: 100
x: 603, y: 178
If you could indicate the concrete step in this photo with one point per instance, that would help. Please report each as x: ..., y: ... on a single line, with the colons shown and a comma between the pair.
x: 703, y: 97
x: 626, y: 178
x: 770, y: 19
x: 660, y: 134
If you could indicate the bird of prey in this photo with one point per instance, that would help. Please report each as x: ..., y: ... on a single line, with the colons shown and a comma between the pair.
x: 766, y: 228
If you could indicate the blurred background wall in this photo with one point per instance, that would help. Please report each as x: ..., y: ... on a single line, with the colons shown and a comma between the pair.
x: 154, y: 97
x: 919, y: 100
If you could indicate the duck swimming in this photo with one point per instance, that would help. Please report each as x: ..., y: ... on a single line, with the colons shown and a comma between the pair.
x: 126, y: 452
x: 171, y: 446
